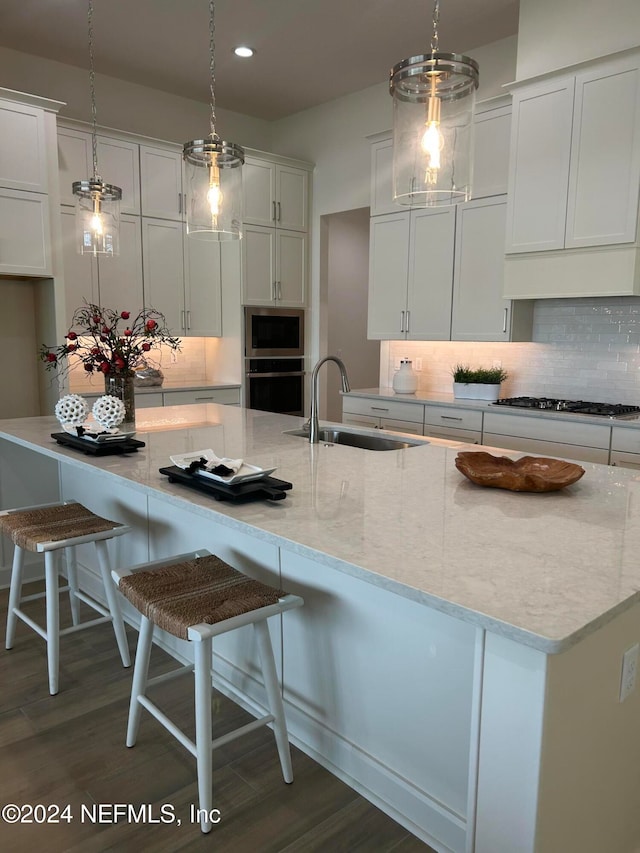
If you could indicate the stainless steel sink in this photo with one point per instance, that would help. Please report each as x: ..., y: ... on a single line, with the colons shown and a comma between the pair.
x: 367, y: 441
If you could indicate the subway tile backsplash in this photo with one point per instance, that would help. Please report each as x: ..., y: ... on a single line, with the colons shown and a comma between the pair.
x: 586, y: 348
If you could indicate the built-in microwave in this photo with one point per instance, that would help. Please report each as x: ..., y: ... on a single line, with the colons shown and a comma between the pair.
x: 273, y: 332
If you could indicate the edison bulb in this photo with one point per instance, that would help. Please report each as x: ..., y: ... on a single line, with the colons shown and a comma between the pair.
x: 214, y: 199
x: 432, y: 144
x: 96, y: 224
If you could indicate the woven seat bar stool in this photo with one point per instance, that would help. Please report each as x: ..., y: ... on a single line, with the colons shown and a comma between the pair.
x: 197, y: 597
x: 50, y: 529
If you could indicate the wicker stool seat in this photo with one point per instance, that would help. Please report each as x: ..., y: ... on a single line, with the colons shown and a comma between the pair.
x: 49, y: 530
x: 196, y: 597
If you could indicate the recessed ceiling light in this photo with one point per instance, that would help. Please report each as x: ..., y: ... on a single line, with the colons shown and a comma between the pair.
x: 244, y: 51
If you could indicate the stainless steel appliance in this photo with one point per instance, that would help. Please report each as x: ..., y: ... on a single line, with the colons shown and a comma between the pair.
x: 273, y: 332
x: 275, y: 385
x: 580, y: 407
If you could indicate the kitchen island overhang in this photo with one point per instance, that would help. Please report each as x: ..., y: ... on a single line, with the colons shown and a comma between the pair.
x: 488, y: 582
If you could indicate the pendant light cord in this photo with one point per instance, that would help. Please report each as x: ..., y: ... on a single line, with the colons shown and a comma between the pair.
x: 212, y: 68
x: 436, y: 19
x: 94, y: 132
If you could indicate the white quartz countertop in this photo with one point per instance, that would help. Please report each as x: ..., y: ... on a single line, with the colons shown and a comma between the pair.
x: 542, y: 569
x: 441, y: 399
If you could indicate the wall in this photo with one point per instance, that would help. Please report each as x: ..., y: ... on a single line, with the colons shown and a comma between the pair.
x: 554, y: 34
x: 126, y: 106
x: 18, y: 347
x: 583, y: 349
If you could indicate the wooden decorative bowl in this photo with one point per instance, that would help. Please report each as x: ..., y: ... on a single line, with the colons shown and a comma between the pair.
x: 527, y: 474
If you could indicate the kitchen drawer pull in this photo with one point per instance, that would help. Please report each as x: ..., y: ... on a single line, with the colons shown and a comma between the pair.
x: 408, y: 329
x: 504, y: 321
x: 378, y: 409
x: 204, y: 399
x: 402, y: 321
x: 279, y: 213
x: 449, y: 418
x: 274, y: 211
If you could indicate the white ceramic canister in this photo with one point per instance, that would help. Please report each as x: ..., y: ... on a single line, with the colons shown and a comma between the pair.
x: 405, y: 380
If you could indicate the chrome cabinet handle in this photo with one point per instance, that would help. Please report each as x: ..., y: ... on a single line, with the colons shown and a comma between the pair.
x: 188, y: 319
x: 402, y: 321
x: 378, y: 409
x: 179, y: 202
x: 504, y: 321
x: 280, y: 290
x: 449, y: 418
x: 279, y: 212
x: 274, y: 211
x: 408, y: 321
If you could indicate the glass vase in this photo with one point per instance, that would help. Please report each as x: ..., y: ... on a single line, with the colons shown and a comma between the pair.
x: 121, y: 385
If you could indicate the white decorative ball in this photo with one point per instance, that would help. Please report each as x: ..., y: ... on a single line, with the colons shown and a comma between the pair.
x: 72, y: 410
x: 108, y: 411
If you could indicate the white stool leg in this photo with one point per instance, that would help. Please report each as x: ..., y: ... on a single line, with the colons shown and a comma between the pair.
x: 14, y: 594
x: 112, y: 599
x: 53, y: 618
x: 140, y: 674
x: 275, y: 699
x: 203, y: 730
x: 72, y: 578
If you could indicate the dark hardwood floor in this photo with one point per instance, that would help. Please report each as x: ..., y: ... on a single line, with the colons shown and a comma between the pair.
x: 69, y: 749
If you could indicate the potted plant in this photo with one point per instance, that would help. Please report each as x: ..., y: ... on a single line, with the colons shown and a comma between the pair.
x: 480, y: 384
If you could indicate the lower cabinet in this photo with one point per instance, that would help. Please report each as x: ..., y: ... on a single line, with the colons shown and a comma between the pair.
x: 453, y: 423
x: 625, y: 447
x: 567, y: 439
x: 383, y: 414
x: 226, y: 396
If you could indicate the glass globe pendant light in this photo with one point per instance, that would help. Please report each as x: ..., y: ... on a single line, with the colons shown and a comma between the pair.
x: 97, y: 203
x: 213, y: 174
x: 433, y: 107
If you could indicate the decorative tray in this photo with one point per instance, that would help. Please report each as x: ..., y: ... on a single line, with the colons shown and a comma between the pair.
x: 266, y: 488
x: 527, y: 474
x: 246, y: 472
x: 125, y: 444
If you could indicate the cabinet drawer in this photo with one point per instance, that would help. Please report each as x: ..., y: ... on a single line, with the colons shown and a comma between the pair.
x: 226, y: 396
x: 566, y: 432
x: 149, y: 400
x: 625, y: 439
x: 625, y: 460
x: 392, y: 425
x: 413, y: 412
x: 468, y: 436
x: 452, y: 417
x: 547, y: 448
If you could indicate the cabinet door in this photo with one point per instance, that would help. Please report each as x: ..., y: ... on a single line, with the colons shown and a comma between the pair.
x: 80, y: 271
x: 291, y: 267
x: 164, y: 269
x: 161, y: 183
x: 605, y: 156
x: 25, y: 239
x: 400, y: 426
x: 23, y: 156
x: 259, y: 192
x: 539, y: 166
x: 203, y: 287
x: 292, y: 198
x: 74, y: 161
x: 430, y: 279
x: 382, y: 178
x: 360, y: 420
x: 479, y: 311
x: 492, y: 130
x: 120, y: 278
x: 258, y: 265
x: 388, y: 273
x: 118, y: 163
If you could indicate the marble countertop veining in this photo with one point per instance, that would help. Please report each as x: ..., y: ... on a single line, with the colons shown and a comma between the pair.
x: 444, y: 399
x: 542, y: 569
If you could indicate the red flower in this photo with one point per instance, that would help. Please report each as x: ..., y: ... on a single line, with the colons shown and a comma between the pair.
x: 88, y: 368
x: 72, y: 347
x: 125, y: 315
x: 95, y: 350
x: 119, y: 362
x: 105, y: 330
x: 127, y: 332
x: 71, y: 336
x: 104, y: 367
x: 146, y: 346
x: 97, y: 319
x: 51, y: 357
x: 150, y: 325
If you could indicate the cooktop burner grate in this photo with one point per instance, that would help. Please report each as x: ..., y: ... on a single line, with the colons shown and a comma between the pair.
x: 581, y: 407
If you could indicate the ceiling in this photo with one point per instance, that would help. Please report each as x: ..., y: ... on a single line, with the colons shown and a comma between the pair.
x: 308, y: 51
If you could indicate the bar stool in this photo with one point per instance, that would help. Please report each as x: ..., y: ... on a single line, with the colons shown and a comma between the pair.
x: 50, y: 529
x: 196, y: 597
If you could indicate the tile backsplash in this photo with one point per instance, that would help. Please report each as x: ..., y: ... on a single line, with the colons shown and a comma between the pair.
x: 586, y: 348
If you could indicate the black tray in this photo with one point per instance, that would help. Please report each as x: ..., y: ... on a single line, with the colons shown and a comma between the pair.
x: 98, y: 448
x: 267, y: 488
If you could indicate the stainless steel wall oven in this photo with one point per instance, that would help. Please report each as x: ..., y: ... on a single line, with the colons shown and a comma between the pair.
x: 273, y: 332
x: 274, y: 359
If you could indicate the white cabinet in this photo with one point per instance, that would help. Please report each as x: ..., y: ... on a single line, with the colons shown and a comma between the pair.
x: 575, y: 159
x: 24, y: 233
x: 275, y: 195
x: 410, y: 274
x: 118, y: 164
x: 161, y: 183
x: 80, y: 271
x: 491, y: 136
x: 23, y: 154
x: 453, y: 423
x: 383, y: 414
x: 625, y: 447
x: 547, y: 436
x: 274, y: 266
x: 382, y: 176
x: 182, y: 278
x: 224, y: 396
x: 480, y: 313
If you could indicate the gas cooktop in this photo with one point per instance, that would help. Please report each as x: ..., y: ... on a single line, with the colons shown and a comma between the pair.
x: 580, y: 407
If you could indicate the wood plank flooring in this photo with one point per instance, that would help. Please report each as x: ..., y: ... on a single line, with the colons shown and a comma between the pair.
x: 70, y: 749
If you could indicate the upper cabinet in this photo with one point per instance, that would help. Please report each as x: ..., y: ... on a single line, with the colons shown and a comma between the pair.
x: 574, y: 179
x: 23, y: 158
x: 275, y: 194
x: 161, y: 183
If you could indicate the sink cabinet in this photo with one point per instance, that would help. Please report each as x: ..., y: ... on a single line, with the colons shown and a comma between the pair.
x: 383, y: 414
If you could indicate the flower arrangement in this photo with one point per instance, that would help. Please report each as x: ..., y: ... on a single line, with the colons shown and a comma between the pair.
x: 109, y: 342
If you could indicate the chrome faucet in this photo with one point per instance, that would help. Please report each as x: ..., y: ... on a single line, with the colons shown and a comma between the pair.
x: 314, y: 426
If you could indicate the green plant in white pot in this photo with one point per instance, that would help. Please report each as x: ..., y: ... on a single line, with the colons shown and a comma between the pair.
x: 480, y: 384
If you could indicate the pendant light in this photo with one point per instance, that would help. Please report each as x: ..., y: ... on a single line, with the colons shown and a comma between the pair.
x: 213, y: 174
x: 97, y: 203
x: 433, y: 106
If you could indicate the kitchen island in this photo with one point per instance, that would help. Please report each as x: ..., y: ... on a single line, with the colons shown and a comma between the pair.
x: 459, y: 653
